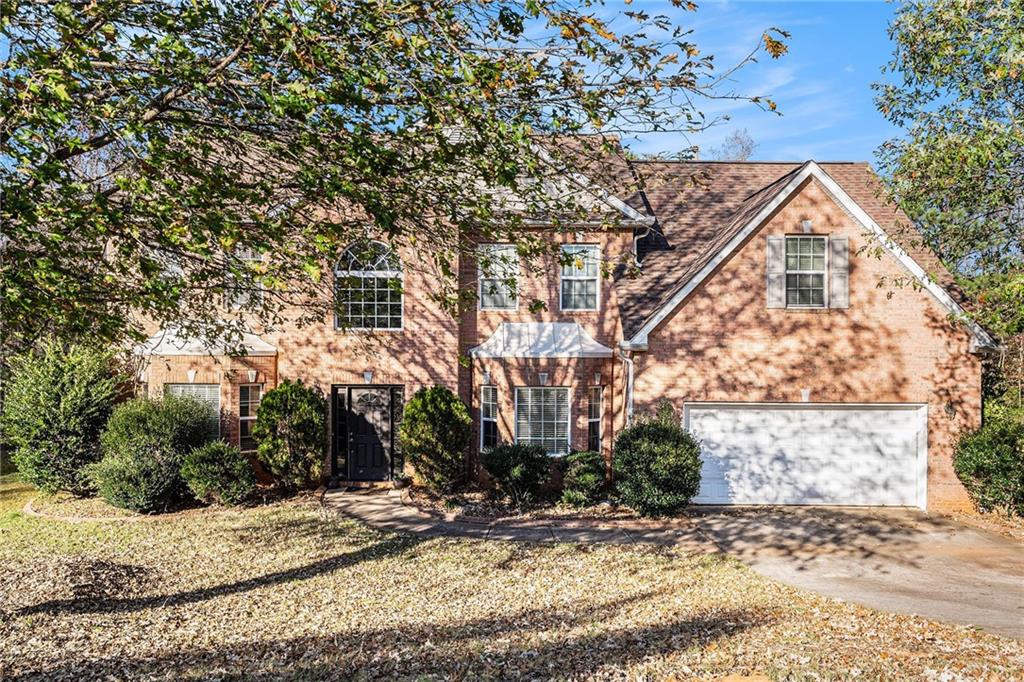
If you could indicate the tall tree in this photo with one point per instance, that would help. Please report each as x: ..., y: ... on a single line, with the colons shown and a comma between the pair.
x: 957, y: 90
x: 737, y: 146
x: 161, y: 156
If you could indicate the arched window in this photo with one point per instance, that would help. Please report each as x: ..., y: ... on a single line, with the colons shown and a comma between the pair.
x: 368, y: 288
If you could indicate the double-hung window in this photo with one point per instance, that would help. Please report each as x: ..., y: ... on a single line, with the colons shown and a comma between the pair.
x: 368, y: 288
x: 806, y: 268
x: 594, y: 401
x: 244, y: 290
x: 542, y: 418
x: 248, y: 402
x: 499, y: 270
x: 488, y: 417
x: 581, y: 265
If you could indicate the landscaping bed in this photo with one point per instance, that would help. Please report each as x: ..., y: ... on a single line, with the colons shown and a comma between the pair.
x: 477, y: 505
x: 285, y: 591
x: 65, y: 505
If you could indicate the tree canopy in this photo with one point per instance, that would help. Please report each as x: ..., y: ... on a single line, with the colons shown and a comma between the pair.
x: 161, y: 157
x: 957, y: 90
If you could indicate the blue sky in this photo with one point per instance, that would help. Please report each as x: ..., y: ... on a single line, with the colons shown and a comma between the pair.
x: 822, y: 86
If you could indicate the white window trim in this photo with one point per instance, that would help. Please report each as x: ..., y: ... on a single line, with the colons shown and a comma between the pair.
x: 480, y: 281
x: 825, y: 274
x: 568, y: 415
x: 257, y: 288
x: 251, y: 417
x: 599, y: 418
x: 482, y: 418
x: 562, y: 277
x: 390, y: 274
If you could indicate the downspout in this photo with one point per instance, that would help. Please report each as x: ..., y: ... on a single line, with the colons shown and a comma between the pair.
x: 628, y: 362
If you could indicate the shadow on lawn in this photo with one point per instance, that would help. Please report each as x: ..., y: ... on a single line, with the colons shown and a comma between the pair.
x: 480, y: 648
x: 397, y: 544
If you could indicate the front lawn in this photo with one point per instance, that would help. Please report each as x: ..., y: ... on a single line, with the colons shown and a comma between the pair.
x: 284, y: 591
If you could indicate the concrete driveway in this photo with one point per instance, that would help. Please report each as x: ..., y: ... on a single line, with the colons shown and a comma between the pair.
x: 898, y: 560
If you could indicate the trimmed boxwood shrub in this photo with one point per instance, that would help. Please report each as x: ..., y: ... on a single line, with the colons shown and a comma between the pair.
x: 219, y: 473
x: 55, y: 405
x: 144, y: 446
x: 434, y: 434
x: 990, y: 463
x: 583, y: 482
x: 656, y: 464
x: 291, y: 432
x: 519, y: 470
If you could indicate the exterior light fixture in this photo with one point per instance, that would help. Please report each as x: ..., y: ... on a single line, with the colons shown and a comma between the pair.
x: 487, y: 376
x: 542, y: 378
x: 252, y: 376
x: 807, y: 226
x: 368, y: 376
x: 805, y: 395
x: 191, y: 376
x: 597, y: 378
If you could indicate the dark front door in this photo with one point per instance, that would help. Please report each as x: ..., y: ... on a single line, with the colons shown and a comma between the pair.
x: 369, y: 433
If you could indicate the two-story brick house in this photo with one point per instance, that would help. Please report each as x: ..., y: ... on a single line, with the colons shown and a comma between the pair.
x: 760, y: 305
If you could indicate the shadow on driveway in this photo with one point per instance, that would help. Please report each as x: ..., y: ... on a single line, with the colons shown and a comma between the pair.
x: 894, y: 559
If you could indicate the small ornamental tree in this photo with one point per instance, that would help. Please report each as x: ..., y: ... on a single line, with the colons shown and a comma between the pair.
x: 291, y: 431
x: 990, y: 463
x: 144, y: 445
x: 57, y: 402
x: 657, y: 464
x: 434, y: 434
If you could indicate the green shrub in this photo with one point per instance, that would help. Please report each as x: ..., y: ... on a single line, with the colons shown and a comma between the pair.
x: 220, y: 473
x: 990, y: 463
x: 291, y: 432
x: 434, y: 434
x: 55, y: 406
x: 584, y: 480
x: 144, y: 446
x: 656, y: 464
x: 519, y: 471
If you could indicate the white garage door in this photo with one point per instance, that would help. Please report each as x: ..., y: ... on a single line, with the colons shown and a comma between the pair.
x: 811, y: 454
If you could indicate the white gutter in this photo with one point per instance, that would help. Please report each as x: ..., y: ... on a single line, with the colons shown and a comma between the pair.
x: 626, y: 360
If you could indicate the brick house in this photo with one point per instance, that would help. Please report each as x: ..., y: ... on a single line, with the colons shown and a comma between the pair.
x: 755, y: 307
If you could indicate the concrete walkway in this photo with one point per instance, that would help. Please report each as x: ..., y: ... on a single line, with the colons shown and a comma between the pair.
x: 899, y: 560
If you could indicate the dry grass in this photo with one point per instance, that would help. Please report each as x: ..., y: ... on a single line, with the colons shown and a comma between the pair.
x: 285, y: 592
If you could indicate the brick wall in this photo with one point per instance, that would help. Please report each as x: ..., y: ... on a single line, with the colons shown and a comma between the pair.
x: 891, y: 345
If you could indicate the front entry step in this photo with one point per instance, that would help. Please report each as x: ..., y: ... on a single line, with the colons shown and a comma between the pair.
x: 367, y: 485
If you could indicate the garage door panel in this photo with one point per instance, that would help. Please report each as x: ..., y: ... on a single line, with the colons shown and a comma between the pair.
x: 807, y: 454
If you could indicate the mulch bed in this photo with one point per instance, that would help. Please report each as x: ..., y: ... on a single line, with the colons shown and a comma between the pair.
x: 481, y: 506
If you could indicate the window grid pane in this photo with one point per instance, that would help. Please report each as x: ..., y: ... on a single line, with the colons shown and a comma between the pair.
x: 368, y: 288
x: 243, y: 290
x: 594, y: 403
x: 499, y: 264
x: 542, y: 418
x: 805, y: 271
x: 248, y: 403
x: 580, y: 277
x: 488, y: 417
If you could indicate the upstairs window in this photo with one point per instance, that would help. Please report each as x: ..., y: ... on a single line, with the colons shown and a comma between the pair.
x: 499, y: 270
x: 805, y: 272
x: 243, y: 290
x: 368, y: 288
x: 580, y: 275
